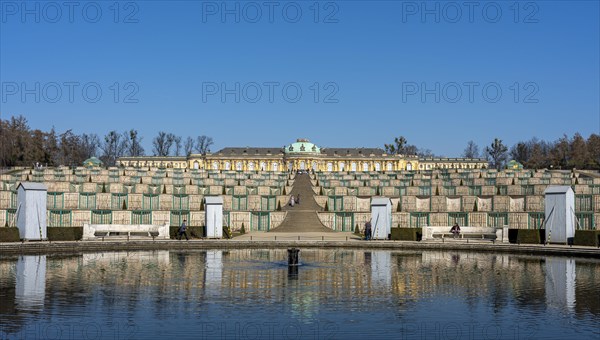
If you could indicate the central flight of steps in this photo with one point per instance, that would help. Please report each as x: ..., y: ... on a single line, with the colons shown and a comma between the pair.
x: 302, y: 217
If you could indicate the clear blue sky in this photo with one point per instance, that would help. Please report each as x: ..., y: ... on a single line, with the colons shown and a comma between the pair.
x: 370, y: 59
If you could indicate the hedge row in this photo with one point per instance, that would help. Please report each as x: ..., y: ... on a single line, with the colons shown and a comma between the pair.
x: 407, y: 234
x: 65, y: 233
x: 9, y: 235
x: 587, y: 238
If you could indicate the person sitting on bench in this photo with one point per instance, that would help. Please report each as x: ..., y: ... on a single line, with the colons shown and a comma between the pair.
x: 455, y: 230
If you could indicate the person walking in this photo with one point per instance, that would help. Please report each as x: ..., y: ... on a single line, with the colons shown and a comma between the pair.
x: 298, y: 199
x: 368, y: 230
x: 292, y: 201
x: 182, y: 230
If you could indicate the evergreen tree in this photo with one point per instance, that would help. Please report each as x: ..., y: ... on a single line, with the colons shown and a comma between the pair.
x: 497, y: 153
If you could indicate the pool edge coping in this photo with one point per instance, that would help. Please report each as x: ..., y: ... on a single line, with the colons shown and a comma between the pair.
x: 26, y: 248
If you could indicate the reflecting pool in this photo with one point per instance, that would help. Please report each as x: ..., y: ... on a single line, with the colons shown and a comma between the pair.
x: 335, y: 293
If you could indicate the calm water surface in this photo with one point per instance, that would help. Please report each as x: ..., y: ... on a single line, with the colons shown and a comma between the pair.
x: 341, y: 294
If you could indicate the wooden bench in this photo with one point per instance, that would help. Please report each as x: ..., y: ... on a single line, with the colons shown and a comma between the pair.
x: 92, y: 231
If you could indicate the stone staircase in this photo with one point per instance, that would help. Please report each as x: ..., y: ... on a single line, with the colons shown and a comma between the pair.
x: 302, y: 217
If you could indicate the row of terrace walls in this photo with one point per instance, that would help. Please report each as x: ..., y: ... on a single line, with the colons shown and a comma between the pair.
x: 450, y: 203
x: 403, y: 220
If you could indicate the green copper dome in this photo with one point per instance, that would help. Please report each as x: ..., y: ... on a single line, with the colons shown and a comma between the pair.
x: 302, y: 146
x: 93, y: 161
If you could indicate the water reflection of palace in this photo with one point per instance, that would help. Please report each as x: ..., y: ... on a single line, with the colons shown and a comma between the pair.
x: 179, y: 281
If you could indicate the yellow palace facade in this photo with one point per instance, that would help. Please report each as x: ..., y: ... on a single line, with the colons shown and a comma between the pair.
x: 303, y: 155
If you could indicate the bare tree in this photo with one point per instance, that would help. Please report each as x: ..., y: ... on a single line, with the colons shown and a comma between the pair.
x: 189, y: 146
x: 134, y: 143
x: 163, y: 143
x: 425, y: 153
x: 112, y: 148
x: 410, y: 150
x: 593, y: 145
x: 178, y: 146
x: 579, y: 154
x: 471, y: 151
x: 520, y: 152
x: 560, y: 153
x: 89, y: 145
x: 539, y: 154
x: 69, y: 149
x: 203, y: 144
x: 51, y: 147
